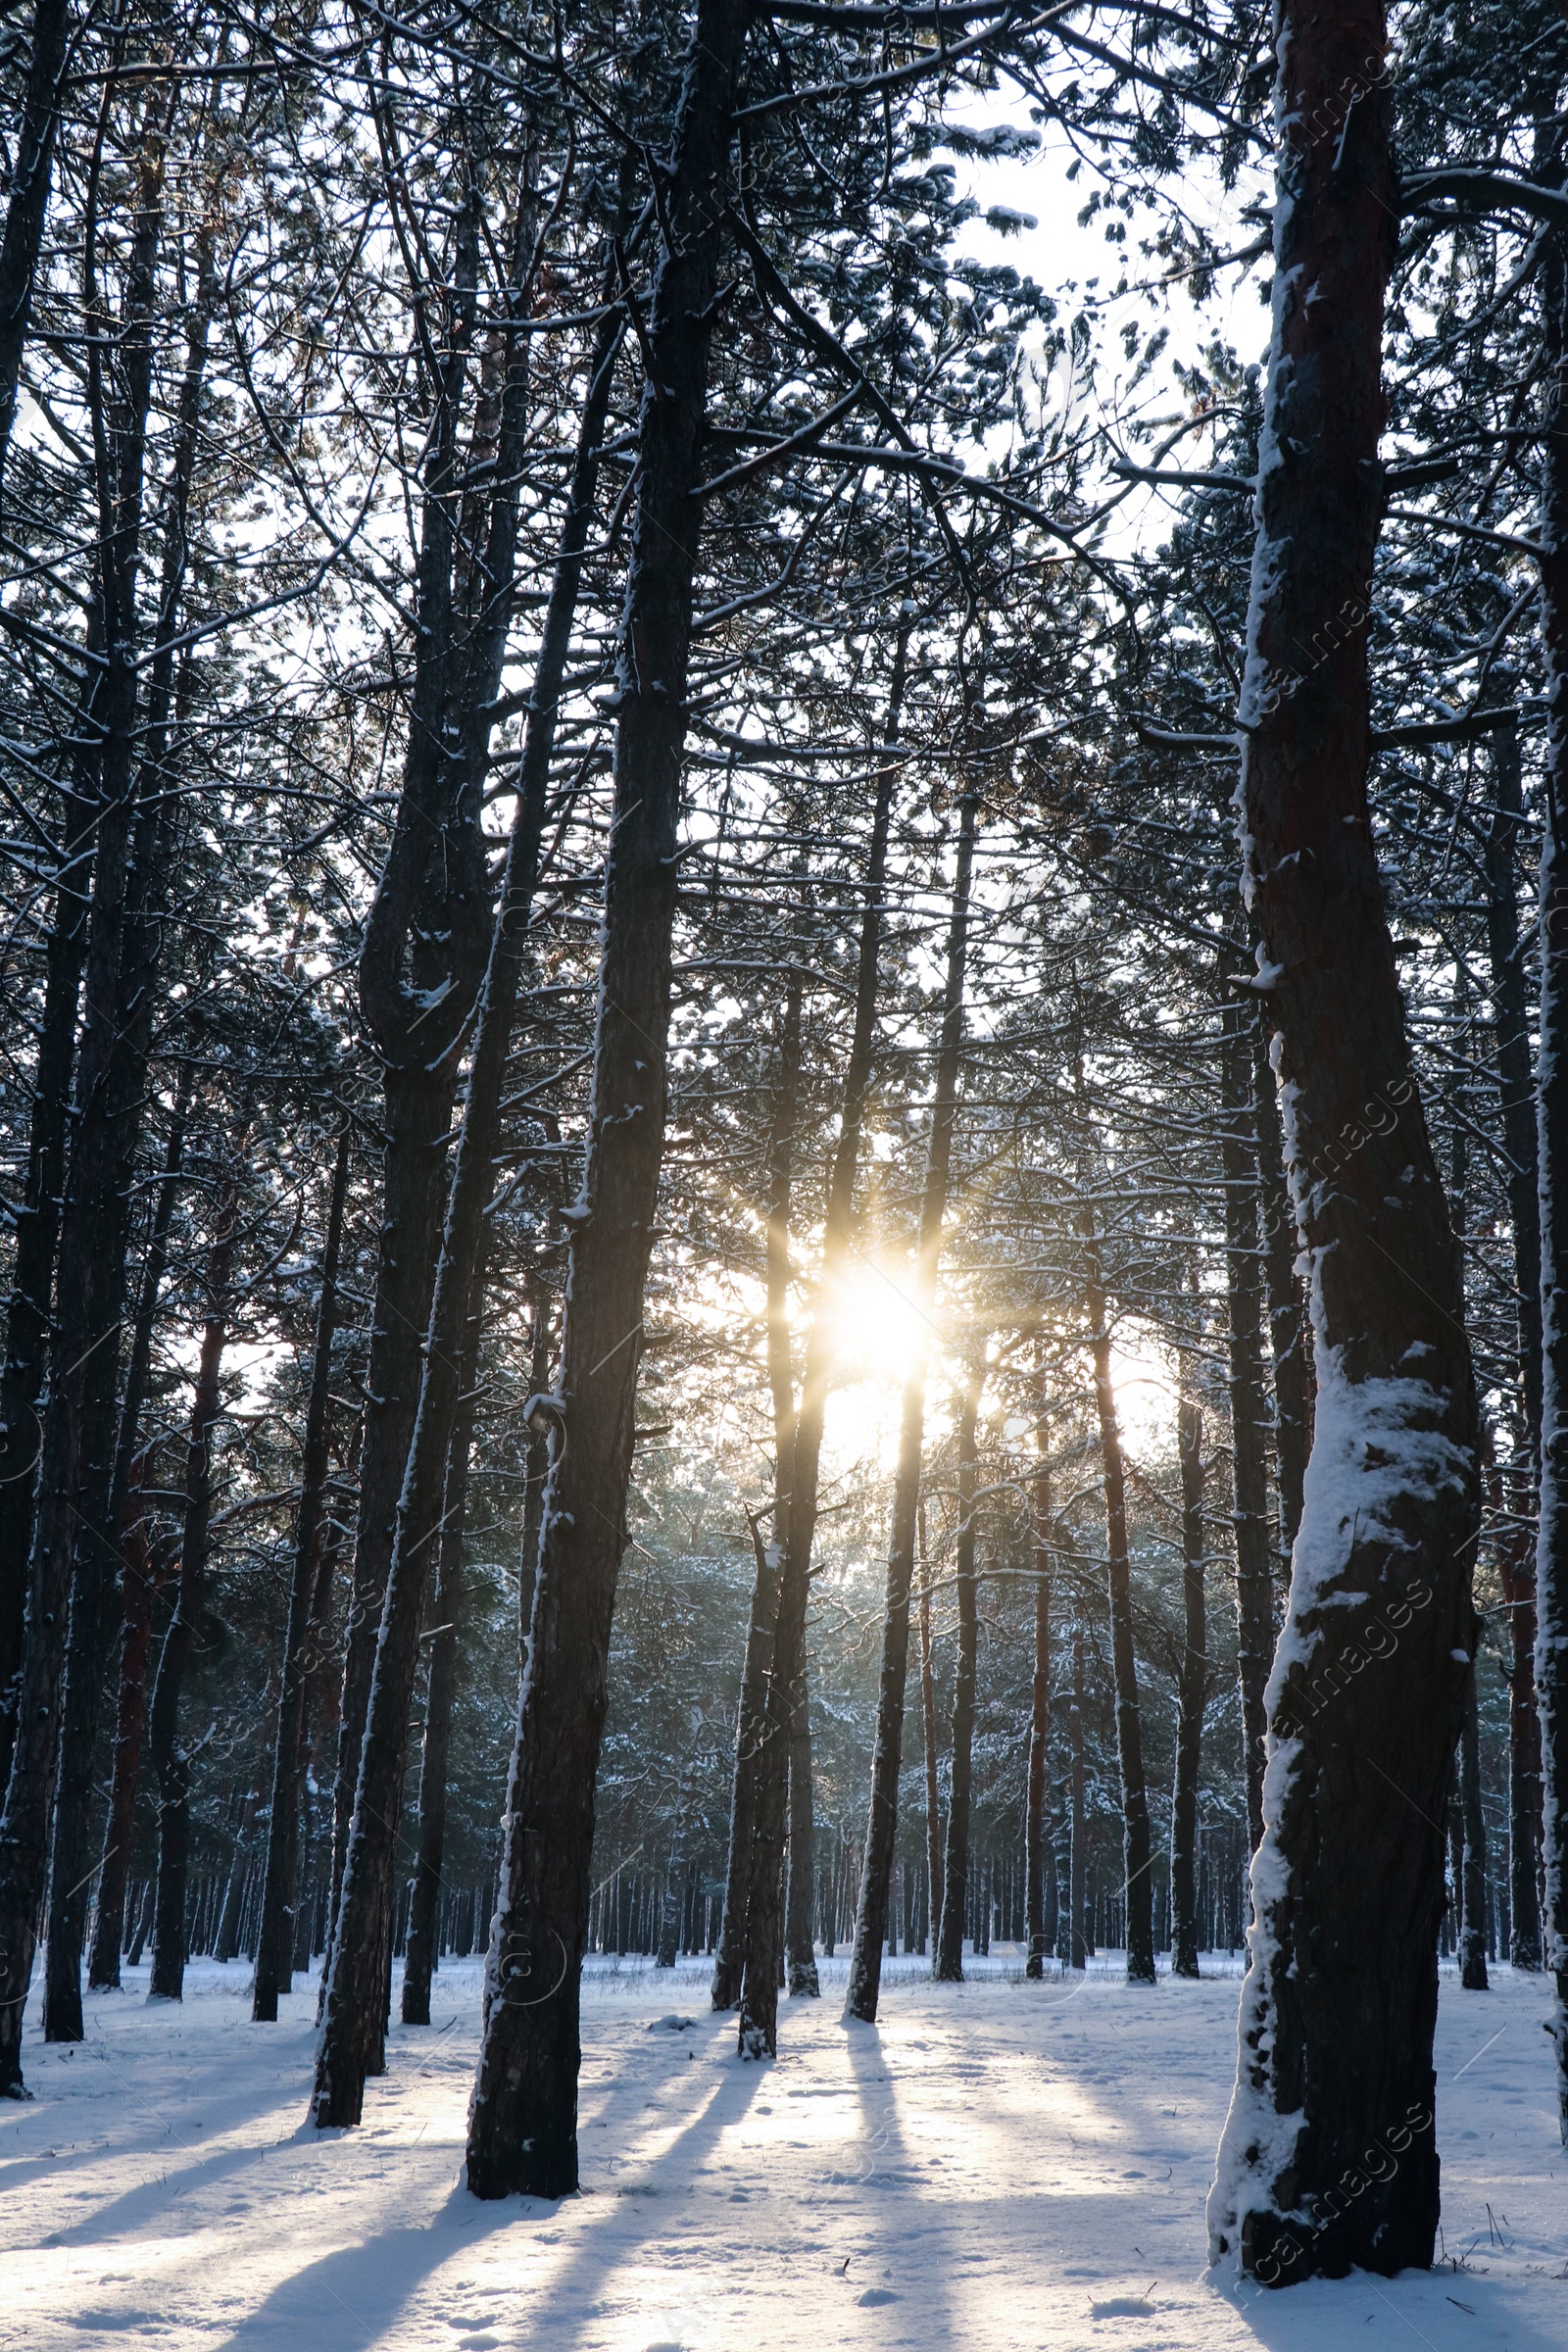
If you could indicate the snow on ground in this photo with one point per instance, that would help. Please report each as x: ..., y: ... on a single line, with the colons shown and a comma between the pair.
x: 999, y: 2167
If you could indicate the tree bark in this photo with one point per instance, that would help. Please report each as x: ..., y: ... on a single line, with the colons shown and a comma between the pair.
x: 353, y: 2042
x: 87, y: 1641
x: 1191, y: 1688
x: 537, y: 1463
x: 187, y: 1630
x: 74, y: 1835
x: 928, y: 1724
x: 752, y: 1728
x: 757, y: 2035
x: 947, y: 1961
x: 882, y: 1826
x: 1254, y: 1599
x: 1516, y: 1090
x: 1551, y: 1555
x: 1078, y: 1857
x: 676, y: 1875
x: 76, y: 1463
x: 1515, y: 1571
x: 1287, y: 1319
x: 729, y: 1955
x: 420, y: 1951
x: 225, y: 1934
x: 140, y: 1575
x: 729, y: 1961
x: 523, y: 2129
x: 1138, y: 1852
x: 800, y: 1950
x: 1473, y: 1909
x: 37, y: 1227
x: 1339, y: 1998
x: 32, y: 169
x: 275, y: 1944
x: 1033, y: 1837
x: 420, y: 969
x: 144, y: 1575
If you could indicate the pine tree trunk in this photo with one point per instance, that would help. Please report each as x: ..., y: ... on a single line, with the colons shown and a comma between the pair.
x: 1192, y: 1688
x: 1255, y: 1601
x: 928, y: 1724
x: 73, y: 1837
x: 31, y: 166
x: 1138, y: 1852
x: 800, y: 1948
x: 186, y: 1634
x: 38, y: 1231
x: 752, y: 1713
x: 76, y: 1463
x: 1551, y: 1555
x: 537, y: 1464
x: 1034, y: 1835
x: 1472, y: 1928
x: 1286, y: 1318
x: 227, y: 1933
x: 1516, y: 1090
x: 96, y: 1558
x: 421, y: 969
x: 946, y: 1964
x: 522, y: 2132
x: 353, y: 2043
x: 1339, y: 2000
x: 757, y: 2035
x: 1515, y: 1571
x: 419, y: 1112
x: 275, y: 1944
x: 882, y: 1827
x: 420, y: 1953
x: 750, y: 1937
x: 139, y: 1579
x: 729, y: 1956
x: 1078, y: 1856
x: 669, y: 1915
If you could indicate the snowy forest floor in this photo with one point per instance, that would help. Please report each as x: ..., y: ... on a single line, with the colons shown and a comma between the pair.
x: 999, y: 2165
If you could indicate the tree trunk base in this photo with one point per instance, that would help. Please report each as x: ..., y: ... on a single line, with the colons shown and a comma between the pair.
x: 1395, y: 2232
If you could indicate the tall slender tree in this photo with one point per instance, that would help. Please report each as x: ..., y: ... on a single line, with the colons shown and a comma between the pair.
x: 876, y: 1872
x: 947, y: 1959
x: 1255, y: 1605
x: 1349, y: 1876
x: 522, y: 2125
x: 1192, y: 1683
x: 274, y: 1947
x: 1551, y: 1557
x: 1035, y: 1847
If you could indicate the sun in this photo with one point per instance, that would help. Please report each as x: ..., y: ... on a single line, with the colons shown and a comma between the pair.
x: 876, y: 1330
x: 876, y: 1324
x: 1143, y: 1379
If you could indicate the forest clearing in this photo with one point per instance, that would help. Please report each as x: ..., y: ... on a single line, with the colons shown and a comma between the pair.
x: 994, y: 2165
x: 784, y: 1173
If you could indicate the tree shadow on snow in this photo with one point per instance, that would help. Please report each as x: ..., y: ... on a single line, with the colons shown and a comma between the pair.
x: 887, y: 2164
x: 349, y: 2298
x: 172, y: 2125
